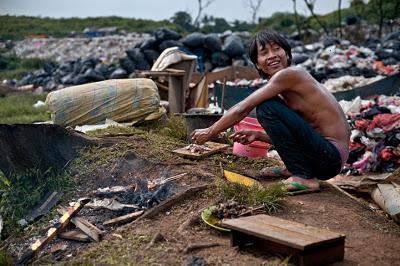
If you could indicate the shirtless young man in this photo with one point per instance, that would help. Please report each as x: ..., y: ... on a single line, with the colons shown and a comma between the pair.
x: 302, y: 119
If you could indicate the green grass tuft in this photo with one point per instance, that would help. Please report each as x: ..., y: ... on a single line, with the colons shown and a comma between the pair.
x: 270, y: 197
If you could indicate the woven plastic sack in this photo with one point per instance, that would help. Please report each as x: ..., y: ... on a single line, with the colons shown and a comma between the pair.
x: 122, y: 100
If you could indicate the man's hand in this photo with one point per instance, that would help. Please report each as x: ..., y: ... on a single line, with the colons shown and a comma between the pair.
x: 200, y: 136
x: 245, y: 136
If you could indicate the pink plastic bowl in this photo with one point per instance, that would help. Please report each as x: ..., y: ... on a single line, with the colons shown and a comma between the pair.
x: 257, y: 149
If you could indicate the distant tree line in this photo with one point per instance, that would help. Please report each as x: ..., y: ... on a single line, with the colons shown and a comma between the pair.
x: 19, y: 27
x: 379, y: 12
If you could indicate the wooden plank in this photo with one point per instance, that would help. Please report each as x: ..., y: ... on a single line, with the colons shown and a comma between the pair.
x: 214, y: 146
x: 52, y: 232
x: 170, y: 72
x: 75, y: 234
x: 124, y: 218
x: 87, y: 227
x: 175, y: 71
x: 321, y: 255
x: 232, y: 73
x: 176, y: 95
x: 273, y: 233
x: 306, y: 245
x: 161, y: 86
x: 50, y: 200
x: 292, y: 234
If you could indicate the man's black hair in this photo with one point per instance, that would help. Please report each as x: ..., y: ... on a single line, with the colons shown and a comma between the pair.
x: 268, y: 36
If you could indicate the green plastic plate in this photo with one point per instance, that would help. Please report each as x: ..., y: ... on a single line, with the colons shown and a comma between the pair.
x: 211, y: 220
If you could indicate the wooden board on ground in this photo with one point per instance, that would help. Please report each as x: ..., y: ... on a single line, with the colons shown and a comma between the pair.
x: 88, y: 228
x: 124, y: 218
x: 49, y: 201
x: 307, y: 245
x: 75, y: 234
x: 213, y: 146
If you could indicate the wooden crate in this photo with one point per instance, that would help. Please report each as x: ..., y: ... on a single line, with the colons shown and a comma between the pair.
x: 305, y: 244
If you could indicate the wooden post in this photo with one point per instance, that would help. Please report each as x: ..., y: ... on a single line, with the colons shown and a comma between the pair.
x: 176, y: 95
x: 223, y: 96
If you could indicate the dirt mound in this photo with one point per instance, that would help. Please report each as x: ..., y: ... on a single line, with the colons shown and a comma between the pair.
x: 42, y: 147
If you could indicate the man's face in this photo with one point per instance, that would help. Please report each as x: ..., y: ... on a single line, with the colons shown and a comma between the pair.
x: 271, y: 58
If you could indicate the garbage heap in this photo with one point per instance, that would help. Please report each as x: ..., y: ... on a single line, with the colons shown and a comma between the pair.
x: 330, y: 58
x: 375, y: 134
x: 107, y: 48
x: 340, y: 65
x: 96, y: 60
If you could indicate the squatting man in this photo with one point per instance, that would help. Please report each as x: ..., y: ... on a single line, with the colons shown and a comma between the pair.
x: 300, y: 116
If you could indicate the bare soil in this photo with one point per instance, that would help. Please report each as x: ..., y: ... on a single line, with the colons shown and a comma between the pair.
x: 371, y: 238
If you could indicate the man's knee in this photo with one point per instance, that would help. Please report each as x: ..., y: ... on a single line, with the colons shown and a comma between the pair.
x: 269, y: 107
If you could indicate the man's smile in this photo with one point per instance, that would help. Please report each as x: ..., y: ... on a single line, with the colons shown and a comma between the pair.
x: 273, y: 63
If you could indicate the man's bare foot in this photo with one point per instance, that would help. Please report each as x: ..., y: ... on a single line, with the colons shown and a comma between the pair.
x: 275, y: 171
x: 295, y: 183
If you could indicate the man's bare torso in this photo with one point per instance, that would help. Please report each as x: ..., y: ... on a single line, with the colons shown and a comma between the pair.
x: 318, y: 107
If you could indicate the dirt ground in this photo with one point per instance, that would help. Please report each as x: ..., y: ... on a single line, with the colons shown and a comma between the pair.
x: 371, y: 238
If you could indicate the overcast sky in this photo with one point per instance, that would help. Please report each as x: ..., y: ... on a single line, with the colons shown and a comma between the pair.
x: 154, y: 9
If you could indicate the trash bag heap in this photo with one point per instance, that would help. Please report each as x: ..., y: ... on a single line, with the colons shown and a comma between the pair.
x: 375, y: 134
x: 213, y: 51
x: 337, y: 63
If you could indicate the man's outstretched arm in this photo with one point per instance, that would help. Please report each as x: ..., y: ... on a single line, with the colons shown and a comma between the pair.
x: 279, y: 83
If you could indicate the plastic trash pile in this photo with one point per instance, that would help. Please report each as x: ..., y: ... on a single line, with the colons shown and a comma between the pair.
x: 375, y: 134
x: 107, y: 48
x: 349, y: 82
x: 333, y: 58
x: 83, y: 60
x: 87, y: 60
